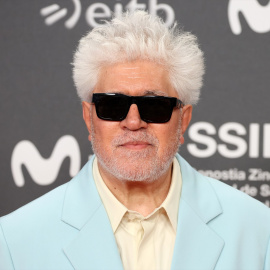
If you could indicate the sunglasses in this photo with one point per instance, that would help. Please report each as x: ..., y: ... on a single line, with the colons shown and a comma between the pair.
x: 152, y: 109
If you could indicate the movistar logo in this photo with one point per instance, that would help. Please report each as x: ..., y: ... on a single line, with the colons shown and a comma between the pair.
x: 256, y: 15
x: 44, y: 171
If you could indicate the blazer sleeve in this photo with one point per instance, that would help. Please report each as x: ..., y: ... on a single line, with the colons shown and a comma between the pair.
x: 5, y: 258
x: 267, y: 257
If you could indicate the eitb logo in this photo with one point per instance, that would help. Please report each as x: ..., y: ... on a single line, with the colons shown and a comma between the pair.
x: 99, y: 11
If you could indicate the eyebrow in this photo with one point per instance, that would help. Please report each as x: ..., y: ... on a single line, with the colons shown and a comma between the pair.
x: 146, y: 93
x: 155, y: 93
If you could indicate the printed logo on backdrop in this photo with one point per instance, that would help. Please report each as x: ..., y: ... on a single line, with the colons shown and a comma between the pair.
x: 234, y: 145
x: 44, y: 171
x: 256, y: 15
x: 201, y: 134
x: 54, y: 13
x: 100, y: 11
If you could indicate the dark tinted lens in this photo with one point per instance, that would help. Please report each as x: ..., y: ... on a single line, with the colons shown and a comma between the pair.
x: 156, y: 109
x: 115, y: 107
x: 112, y: 107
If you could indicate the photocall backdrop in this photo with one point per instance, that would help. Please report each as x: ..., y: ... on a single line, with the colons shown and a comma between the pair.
x: 43, y: 137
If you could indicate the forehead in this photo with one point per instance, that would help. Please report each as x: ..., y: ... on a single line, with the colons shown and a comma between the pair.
x: 135, y: 78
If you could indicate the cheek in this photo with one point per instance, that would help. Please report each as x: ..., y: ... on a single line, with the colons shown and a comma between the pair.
x: 105, y: 132
x: 169, y: 134
x: 168, y: 130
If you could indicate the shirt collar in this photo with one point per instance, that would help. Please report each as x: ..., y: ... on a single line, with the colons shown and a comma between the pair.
x: 116, y: 210
x: 171, y: 203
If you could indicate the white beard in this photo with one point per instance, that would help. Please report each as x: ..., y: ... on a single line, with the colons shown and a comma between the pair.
x: 142, y: 165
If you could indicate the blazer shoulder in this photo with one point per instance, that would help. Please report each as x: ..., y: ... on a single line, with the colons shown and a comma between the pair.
x: 47, y: 210
x: 235, y: 200
x: 203, y: 194
x: 47, y: 205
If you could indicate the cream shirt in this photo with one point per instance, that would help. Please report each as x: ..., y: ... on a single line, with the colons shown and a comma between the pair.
x: 144, y: 243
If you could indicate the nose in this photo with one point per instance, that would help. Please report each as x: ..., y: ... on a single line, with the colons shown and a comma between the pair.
x: 133, y: 120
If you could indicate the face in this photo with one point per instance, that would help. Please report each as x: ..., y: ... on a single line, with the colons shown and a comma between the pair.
x: 131, y: 149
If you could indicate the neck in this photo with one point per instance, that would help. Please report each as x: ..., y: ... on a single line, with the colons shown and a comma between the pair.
x: 141, y: 196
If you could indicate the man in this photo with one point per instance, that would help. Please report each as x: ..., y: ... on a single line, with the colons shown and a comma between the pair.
x: 137, y: 204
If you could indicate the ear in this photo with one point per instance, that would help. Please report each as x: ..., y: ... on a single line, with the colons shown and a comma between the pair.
x: 86, y: 117
x: 185, y: 120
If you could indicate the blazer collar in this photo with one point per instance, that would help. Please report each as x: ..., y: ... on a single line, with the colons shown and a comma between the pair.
x: 197, y: 246
x: 94, y: 246
x: 81, y: 199
x: 198, y: 193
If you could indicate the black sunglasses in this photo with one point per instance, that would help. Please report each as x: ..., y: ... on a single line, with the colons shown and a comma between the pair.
x: 152, y: 109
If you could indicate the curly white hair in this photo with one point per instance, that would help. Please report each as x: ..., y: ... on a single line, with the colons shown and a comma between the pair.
x: 139, y: 35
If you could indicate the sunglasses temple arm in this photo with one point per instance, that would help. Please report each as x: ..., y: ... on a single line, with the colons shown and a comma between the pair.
x: 179, y: 104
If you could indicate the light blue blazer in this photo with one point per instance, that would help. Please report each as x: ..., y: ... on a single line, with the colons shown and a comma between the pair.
x: 68, y: 228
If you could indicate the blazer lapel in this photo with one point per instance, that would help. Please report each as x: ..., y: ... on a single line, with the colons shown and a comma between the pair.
x: 94, y: 246
x: 197, y: 246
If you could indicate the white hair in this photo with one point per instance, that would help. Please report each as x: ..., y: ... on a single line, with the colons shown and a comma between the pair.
x: 134, y: 36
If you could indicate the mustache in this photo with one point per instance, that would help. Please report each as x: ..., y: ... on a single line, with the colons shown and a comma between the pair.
x: 137, y: 136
